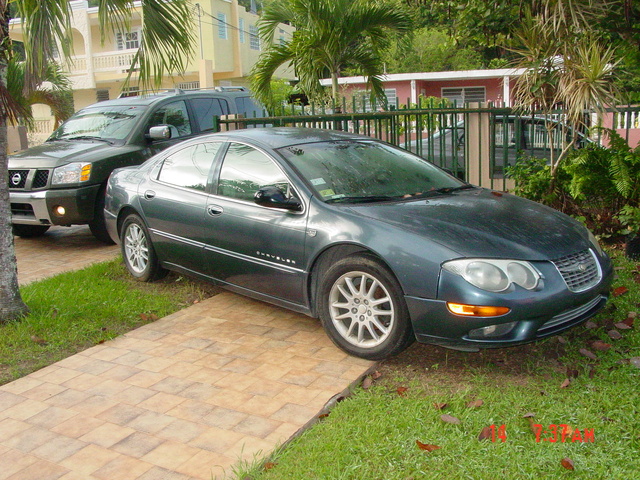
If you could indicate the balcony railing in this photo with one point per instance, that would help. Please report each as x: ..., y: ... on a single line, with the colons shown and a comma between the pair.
x: 103, y: 62
x: 116, y: 61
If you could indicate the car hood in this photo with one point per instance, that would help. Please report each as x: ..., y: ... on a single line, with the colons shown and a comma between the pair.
x: 484, y: 223
x: 60, y: 152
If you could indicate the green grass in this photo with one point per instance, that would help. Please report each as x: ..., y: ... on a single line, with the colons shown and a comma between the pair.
x: 76, y: 310
x: 373, y: 433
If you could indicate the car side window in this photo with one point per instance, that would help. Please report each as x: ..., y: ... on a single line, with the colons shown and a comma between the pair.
x: 205, y: 109
x: 189, y: 167
x: 175, y: 115
x: 245, y: 170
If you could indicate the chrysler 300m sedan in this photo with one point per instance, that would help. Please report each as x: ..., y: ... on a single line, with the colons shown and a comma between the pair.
x: 381, y: 245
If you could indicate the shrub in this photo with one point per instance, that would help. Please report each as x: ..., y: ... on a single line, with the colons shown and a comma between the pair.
x: 599, y: 185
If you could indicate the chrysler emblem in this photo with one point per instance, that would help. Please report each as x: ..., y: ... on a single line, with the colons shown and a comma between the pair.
x: 582, y: 267
x: 16, y: 179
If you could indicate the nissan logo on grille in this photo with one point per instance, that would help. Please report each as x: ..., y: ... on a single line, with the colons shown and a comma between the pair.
x: 16, y: 179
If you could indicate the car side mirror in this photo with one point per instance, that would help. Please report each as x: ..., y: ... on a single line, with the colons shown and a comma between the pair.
x: 160, y: 132
x: 273, y: 197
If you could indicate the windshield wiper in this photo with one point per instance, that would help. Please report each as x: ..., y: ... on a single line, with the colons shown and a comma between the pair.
x: 86, y: 137
x: 445, y: 190
x: 363, y: 199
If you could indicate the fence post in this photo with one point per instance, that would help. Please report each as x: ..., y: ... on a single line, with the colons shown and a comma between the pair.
x: 477, y: 145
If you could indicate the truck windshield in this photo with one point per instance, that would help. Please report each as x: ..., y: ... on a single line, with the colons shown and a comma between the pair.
x: 112, y: 123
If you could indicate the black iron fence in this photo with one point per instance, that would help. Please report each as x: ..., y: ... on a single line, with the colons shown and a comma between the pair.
x: 476, y: 142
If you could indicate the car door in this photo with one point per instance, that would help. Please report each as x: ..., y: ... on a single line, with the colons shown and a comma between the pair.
x: 174, y: 203
x: 250, y: 246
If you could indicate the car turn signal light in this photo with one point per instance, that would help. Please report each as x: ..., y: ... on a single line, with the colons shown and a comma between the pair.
x: 477, y: 310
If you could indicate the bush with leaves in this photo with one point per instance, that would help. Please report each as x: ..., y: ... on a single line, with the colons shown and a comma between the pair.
x: 605, y: 185
x: 599, y: 185
x: 535, y: 181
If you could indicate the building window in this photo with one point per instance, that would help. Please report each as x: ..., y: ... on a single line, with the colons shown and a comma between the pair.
x: 463, y: 95
x: 241, y: 31
x: 363, y: 99
x: 222, y: 26
x: 282, y: 39
x: 254, y: 39
x: 128, y: 40
x: 102, y: 95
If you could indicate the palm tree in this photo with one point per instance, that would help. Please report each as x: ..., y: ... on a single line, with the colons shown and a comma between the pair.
x: 54, y: 91
x: 330, y: 36
x: 566, y: 65
x: 166, y: 47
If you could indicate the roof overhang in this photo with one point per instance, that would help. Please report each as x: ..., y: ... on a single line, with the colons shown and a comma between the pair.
x: 433, y: 76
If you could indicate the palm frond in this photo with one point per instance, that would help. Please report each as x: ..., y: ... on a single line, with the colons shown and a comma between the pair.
x: 46, y: 24
x: 167, y: 41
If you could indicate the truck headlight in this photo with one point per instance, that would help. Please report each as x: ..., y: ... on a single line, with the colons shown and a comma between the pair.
x: 71, y: 173
x: 495, y: 275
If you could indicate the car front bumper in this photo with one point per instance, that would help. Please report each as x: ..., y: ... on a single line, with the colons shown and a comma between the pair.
x: 532, y: 316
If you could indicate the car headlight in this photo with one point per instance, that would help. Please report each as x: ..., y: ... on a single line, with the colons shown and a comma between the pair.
x: 495, y: 275
x: 595, y: 243
x: 71, y: 173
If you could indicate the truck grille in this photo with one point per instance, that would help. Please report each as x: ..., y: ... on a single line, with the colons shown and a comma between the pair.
x: 18, y: 178
x: 40, y: 179
x: 580, y: 271
x: 22, y: 210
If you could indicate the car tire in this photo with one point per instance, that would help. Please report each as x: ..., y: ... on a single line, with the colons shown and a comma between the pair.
x: 98, y: 225
x: 137, y: 251
x: 29, y: 231
x: 362, y: 308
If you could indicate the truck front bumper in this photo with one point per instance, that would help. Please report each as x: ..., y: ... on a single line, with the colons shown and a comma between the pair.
x: 43, y: 207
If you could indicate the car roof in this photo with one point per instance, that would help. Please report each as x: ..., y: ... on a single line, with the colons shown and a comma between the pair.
x: 278, y: 137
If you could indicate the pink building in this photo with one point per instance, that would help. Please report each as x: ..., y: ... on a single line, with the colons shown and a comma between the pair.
x: 470, y: 86
x: 461, y: 86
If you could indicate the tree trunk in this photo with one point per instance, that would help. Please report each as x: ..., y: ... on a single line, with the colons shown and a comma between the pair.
x: 11, y: 304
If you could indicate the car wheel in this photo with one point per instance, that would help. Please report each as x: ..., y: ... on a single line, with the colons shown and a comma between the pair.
x: 362, y: 308
x: 29, y: 231
x: 98, y: 226
x: 137, y: 250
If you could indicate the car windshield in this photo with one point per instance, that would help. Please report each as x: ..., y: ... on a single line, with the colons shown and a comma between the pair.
x: 364, y: 171
x: 106, y: 123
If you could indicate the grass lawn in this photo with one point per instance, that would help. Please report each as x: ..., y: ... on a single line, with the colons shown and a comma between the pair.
x: 423, y: 414
x: 76, y: 310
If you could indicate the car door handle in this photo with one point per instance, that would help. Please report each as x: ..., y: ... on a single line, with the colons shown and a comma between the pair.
x: 149, y: 194
x: 214, y: 210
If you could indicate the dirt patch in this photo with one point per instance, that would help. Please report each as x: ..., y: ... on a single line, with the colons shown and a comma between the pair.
x: 429, y: 365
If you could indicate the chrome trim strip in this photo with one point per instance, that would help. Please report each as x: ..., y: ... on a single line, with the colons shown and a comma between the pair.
x: 239, y: 256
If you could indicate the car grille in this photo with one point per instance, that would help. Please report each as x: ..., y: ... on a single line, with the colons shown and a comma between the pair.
x: 564, y: 319
x: 580, y: 271
x: 18, y: 179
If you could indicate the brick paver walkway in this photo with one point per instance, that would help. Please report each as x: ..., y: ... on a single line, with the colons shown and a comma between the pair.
x: 59, y: 250
x: 182, y: 398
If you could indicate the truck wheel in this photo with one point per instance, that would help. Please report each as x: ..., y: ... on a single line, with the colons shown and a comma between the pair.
x: 29, y: 231
x: 98, y: 225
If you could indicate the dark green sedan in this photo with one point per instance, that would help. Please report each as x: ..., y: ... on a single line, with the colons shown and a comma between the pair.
x: 381, y: 245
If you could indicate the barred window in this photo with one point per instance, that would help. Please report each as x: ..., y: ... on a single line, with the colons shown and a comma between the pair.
x: 222, y: 26
x: 463, y: 95
x: 254, y: 39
